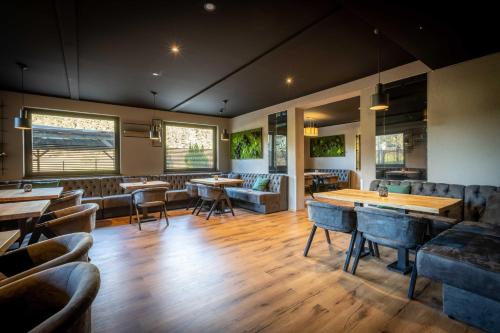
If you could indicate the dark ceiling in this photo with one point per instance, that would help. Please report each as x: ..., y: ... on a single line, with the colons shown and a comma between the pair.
x: 341, y: 112
x: 106, y: 51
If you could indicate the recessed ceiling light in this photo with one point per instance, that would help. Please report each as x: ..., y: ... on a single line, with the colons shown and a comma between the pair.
x: 175, y: 49
x: 289, y: 80
x: 156, y: 74
x: 209, y: 7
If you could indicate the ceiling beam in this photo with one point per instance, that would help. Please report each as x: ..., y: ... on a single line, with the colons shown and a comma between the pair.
x: 258, y: 57
x: 66, y: 15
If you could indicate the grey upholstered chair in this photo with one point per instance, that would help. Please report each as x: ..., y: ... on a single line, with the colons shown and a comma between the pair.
x: 14, y: 186
x: 66, y: 221
x: 17, y: 264
x: 214, y: 196
x: 66, y: 200
x: 192, y: 191
x: 54, y: 300
x: 132, y: 179
x: 392, y: 229
x: 150, y: 198
x: 332, y: 218
x: 309, y: 184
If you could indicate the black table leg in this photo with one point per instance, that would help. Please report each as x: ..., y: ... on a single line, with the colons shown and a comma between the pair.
x: 403, y: 265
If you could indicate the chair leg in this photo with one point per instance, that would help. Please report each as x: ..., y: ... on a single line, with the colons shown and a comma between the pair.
x: 361, y: 246
x: 201, y: 206
x: 130, y: 213
x: 138, y: 218
x: 165, y: 213
x: 349, y: 250
x: 309, y: 240
x: 212, y: 208
x: 327, y: 234
x: 375, y: 250
x: 230, y: 205
x: 370, y: 248
x: 413, y: 279
x: 196, y: 205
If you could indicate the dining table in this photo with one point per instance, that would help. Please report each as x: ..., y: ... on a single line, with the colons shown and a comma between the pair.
x: 403, y: 203
x: 7, y: 238
x: 22, y: 211
x: 19, y: 195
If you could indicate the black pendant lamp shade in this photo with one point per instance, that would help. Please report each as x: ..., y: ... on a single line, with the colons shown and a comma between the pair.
x: 225, y: 134
x: 154, y: 130
x: 380, y: 100
x: 22, y: 122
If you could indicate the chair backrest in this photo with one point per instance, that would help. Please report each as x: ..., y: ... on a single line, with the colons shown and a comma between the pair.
x: 55, y: 300
x: 331, y: 217
x: 13, y: 186
x: 192, y: 189
x: 209, y: 192
x: 73, y: 219
x: 44, y: 255
x: 149, y: 195
x: 391, y: 228
x: 67, y: 199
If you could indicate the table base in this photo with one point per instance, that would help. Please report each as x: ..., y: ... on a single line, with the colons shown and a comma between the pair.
x: 403, y: 265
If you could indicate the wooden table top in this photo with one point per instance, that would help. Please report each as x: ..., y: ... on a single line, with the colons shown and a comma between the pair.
x: 317, y: 174
x: 17, y: 195
x: 23, y: 210
x: 419, y: 203
x: 402, y: 172
x: 129, y: 187
x: 217, y: 182
x: 7, y: 238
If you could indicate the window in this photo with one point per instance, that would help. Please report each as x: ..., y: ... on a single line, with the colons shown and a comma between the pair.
x: 277, y: 144
x: 67, y: 143
x: 390, y: 149
x: 190, y: 147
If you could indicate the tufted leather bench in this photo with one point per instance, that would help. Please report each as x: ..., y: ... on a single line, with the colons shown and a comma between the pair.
x: 343, y: 174
x: 274, y: 199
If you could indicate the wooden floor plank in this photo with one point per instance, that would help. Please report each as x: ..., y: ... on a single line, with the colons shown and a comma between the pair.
x: 247, y: 274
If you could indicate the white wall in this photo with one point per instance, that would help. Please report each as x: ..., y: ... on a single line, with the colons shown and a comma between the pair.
x: 138, y: 157
x: 346, y: 162
x: 464, y: 122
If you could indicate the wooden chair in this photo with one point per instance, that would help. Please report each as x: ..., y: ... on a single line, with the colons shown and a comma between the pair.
x: 215, y: 196
x: 150, y: 198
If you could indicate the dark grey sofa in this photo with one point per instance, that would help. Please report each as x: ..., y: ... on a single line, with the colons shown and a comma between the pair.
x: 466, y: 259
x: 343, y: 174
x: 273, y: 199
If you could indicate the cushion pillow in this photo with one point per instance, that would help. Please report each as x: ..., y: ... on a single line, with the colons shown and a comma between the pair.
x: 45, y: 184
x: 260, y: 184
x: 403, y: 189
x: 492, y: 211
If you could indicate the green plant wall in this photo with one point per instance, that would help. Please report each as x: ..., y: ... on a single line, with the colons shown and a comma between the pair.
x: 328, y: 146
x: 246, y: 144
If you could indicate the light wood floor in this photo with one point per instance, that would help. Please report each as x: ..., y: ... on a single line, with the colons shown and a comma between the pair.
x: 247, y: 274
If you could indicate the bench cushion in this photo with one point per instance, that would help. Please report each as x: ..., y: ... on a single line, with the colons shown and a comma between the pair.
x: 465, y: 260
x: 113, y: 201
x: 253, y: 196
x: 177, y: 195
x: 479, y: 228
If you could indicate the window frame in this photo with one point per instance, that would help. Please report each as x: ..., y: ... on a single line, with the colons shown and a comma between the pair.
x: 189, y: 125
x: 28, y: 144
x: 384, y: 165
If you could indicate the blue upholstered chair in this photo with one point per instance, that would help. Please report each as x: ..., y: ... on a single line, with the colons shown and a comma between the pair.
x: 392, y: 229
x: 332, y: 218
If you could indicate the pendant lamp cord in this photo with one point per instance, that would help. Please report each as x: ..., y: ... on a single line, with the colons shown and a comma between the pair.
x: 22, y: 84
x: 378, y: 53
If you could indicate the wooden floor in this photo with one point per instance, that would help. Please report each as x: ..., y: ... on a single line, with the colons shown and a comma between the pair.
x: 247, y: 274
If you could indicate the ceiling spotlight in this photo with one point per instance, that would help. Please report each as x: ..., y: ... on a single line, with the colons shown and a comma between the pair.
x: 289, y: 80
x: 175, y: 49
x: 156, y: 74
x: 209, y: 7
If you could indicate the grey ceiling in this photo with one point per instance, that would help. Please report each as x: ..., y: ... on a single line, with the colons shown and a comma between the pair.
x: 105, y: 51
x: 341, y: 112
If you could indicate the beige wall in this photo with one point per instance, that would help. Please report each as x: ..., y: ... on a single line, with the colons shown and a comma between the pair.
x: 346, y: 162
x: 363, y: 87
x: 464, y: 122
x: 137, y: 154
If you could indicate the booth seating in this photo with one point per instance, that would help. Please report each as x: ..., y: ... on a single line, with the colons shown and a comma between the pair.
x: 345, y: 176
